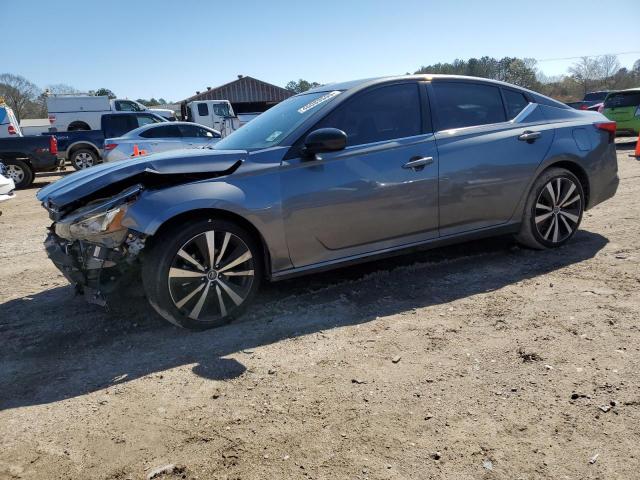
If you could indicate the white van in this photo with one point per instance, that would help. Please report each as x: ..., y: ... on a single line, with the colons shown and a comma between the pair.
x: 216, y: 114
x: 83, y: 112
x: 9, y: 126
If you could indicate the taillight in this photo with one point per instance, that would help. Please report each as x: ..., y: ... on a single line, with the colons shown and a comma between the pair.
x: 110, y: 146
x: 609, y: 127
x: 11, y: 130
x: 52, y: 118
x: 53, y: 145
x: 584, y: 107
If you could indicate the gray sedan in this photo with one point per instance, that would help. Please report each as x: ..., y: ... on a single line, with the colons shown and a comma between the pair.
x: 339, y: 174
x: 159, y: 137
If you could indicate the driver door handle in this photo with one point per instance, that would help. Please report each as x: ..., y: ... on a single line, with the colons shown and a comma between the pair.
x: 418, y: 163
x: 529, y: 136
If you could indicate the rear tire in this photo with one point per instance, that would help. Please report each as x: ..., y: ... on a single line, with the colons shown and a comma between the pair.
x: 21, y: 173
x: 188, y: 287
x: 83, y: 158
x: 553, y: 211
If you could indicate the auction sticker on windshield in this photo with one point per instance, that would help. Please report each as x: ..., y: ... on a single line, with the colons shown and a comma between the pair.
x: 318, y: 101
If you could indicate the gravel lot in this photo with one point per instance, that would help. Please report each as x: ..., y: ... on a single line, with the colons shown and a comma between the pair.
x: 480, y: 361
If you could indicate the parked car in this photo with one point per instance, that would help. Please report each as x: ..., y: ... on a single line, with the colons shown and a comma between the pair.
x: 624, y: 108
x: 84, y: 148
x: 8, y: 123
x: 159, y: 137
x: 24, y: 156
x: 590, y: 99
x: 7, y: 186
x: 68, y: 113
x: 336, y: 175
x: 216, y: 114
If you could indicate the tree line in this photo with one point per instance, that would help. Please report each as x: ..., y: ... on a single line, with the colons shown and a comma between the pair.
x: 587, y: 74
x: 27, y: 100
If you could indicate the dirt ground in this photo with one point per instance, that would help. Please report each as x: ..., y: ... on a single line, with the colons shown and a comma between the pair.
x: 480, y: 361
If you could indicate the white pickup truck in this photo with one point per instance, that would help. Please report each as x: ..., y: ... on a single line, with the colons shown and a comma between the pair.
x: 83, y: 112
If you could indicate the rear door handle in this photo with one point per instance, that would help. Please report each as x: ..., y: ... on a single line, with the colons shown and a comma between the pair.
x: 418, y: 163
x: 529, y: 136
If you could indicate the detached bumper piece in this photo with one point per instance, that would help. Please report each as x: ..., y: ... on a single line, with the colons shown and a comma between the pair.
x: 94, y: 269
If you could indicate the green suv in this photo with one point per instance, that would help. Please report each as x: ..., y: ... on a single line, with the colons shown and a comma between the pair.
x: 624, y: 108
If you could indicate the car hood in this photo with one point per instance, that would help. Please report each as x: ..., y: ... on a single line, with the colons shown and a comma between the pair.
x: 175, y: 166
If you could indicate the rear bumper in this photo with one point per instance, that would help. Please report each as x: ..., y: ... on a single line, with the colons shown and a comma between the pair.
x: 603, y: 177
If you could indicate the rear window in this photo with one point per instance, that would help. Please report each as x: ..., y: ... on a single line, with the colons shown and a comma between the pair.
x: 116, y: 125
x: 203, y: 109
x: 162, y: 131
x: 623, y: 99
x: 467, y: 104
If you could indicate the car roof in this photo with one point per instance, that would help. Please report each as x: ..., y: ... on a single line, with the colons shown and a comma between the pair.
x: 367, y: 82
x: 150, y: 126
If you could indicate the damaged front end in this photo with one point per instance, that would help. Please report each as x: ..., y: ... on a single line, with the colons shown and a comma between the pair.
x: 91, y: 246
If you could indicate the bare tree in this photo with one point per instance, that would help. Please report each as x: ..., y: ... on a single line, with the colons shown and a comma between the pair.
x: 18, y: 92
x: 585, y: 72
x: 608, y: 65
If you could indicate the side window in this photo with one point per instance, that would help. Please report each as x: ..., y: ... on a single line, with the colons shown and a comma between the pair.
x: 203, y: 109
x: 516, y: 102
x: 378, y: 114
x: 162, y: 131
x: 146, y: 120
x: 467, y: 104
x: 193, y: 131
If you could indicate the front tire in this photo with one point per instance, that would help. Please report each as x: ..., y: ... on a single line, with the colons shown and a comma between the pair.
x: 83, y: 158
x: 203, y: 274
x: 553, y: 211
x: 20, y: 172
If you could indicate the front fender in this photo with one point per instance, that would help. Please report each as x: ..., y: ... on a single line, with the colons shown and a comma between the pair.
x: 255, y: 199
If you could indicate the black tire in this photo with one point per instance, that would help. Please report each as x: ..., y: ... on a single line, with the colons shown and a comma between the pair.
x: 83, y: 158
x: 553, y: 211
x: 175, y: 287
x: 21, y: 172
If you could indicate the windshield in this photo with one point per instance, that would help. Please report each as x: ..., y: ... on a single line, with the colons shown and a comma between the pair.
x: 623, y: 99
x: 272, y: 126
x: 221, y: 110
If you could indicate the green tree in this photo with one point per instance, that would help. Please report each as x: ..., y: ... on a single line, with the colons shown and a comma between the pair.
x: 300, y: 86
x: 101, y: 92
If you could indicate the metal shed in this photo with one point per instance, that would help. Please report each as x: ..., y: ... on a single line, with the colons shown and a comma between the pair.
x: 246, y: 94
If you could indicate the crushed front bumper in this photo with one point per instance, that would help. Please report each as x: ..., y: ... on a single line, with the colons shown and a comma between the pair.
x: 93, y: 269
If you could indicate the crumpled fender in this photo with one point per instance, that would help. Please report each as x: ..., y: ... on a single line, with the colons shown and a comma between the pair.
x: 184, y: 165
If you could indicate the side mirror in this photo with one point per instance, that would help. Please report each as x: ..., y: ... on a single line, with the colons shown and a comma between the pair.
x: 324, y: 140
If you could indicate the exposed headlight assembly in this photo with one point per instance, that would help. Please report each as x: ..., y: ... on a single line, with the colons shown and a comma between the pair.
x: 101, y: 219
x: 103, y: 222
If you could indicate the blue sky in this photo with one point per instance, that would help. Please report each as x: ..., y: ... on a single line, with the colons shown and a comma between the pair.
x: 171, y: 48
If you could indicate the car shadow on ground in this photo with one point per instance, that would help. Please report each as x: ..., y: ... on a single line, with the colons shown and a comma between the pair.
x: 56, y: 346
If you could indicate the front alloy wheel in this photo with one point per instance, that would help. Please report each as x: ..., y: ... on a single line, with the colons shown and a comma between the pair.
x: 205, y: 277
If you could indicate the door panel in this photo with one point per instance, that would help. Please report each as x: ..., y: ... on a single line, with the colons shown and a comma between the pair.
x: 484, y: 172
x: 360, y: 200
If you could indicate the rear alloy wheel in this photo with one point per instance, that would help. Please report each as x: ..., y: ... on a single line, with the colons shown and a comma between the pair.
x: 554, y: 210
x: 20, y: 172
x: 204, y: 276
x: 83, y: 158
